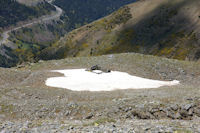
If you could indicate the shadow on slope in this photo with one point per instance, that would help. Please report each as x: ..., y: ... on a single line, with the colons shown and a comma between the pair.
x: 166, y: 31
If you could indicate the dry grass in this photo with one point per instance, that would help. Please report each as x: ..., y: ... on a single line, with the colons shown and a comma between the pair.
x: 153, y: 27
x: 30, y: 2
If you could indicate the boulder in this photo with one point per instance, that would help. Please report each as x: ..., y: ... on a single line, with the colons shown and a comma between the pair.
x: 97, y: 67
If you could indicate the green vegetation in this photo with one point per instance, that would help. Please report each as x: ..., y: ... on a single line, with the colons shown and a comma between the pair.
x: 78, y: 13
x: 39, y: 41
x: 12, y: 12
x: 165, y: 31
x: 9, y: 58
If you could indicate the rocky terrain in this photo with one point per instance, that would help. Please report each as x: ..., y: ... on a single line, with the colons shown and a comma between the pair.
x: 27, y: 105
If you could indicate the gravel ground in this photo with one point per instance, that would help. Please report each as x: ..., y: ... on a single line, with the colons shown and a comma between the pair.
x: 154, y: 126
x: 27, y: 105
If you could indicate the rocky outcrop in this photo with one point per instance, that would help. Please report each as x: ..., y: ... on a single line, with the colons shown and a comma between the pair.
x: 97, y: 67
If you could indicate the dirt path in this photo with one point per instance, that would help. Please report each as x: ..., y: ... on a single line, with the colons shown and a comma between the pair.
x: 5, y: 34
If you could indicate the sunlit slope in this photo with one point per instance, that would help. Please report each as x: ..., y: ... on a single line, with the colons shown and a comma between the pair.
x: 30, y: 2
x: 158, y: 27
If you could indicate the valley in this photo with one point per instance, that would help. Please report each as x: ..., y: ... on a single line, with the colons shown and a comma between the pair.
x: 54, y: 16
x: 27, y: 44
x: 100, y: 66
x: 164, y: 28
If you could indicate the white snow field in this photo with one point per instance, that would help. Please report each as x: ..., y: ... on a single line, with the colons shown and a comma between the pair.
x: 82, y: 80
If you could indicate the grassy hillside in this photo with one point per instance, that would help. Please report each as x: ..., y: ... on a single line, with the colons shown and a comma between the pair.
x: 29, y: 42
x: 78, y: 13
x: 12, y: 12
x: 158, y: 27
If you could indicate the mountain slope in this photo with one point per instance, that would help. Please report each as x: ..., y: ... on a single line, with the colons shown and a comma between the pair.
x: 12, y: 12
x: 27, y: 43
x: 78, y: 13
x: 22, y: 16
x: 158, y: 27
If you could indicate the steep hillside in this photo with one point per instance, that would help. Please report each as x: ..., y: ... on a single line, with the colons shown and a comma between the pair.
x: 12, y: 12
x: 27, y: 43
x: 78, y: 13
x: 158, y: 27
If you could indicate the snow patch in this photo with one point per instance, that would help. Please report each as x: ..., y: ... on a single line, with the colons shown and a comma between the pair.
x: 82, y: 80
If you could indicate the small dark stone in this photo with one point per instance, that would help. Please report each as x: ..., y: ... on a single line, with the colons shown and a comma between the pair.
x: 96, y: 67
x: 89, y: 116
x: 67, y: 113
x: 189, y: 99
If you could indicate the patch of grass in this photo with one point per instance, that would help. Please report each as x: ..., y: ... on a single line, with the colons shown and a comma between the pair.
x: 6, y: 108
x: 182, y: 131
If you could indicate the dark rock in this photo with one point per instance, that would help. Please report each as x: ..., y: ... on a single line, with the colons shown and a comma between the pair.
x: 67, y: 113
x: 89, y: 116
x: 189, y: 99
x: 96, y: 67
